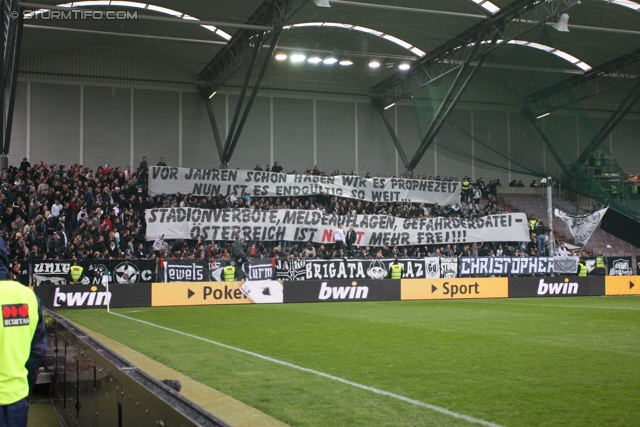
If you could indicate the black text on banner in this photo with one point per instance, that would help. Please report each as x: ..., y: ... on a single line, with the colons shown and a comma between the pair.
x: 211, y: 182
x: 316, y: 226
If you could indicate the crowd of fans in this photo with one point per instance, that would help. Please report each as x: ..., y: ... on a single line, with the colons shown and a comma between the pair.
x: 73, y: 212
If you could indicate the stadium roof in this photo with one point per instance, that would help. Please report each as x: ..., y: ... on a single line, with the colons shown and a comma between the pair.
x: 393, y: 32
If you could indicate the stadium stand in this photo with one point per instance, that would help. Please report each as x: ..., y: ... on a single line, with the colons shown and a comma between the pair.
x: 72, y: 212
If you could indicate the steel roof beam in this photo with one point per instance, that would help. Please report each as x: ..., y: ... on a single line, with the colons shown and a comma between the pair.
x: 273, y: 13
x: 9, y: 64
x: 394, y: 136
x: 614, y: 120
x: 443, y: 114
x: 547, y: 141
x: 510, y: 23
x: 607, y: 76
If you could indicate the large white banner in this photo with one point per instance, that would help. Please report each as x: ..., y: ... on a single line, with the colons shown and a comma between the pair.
x: 211, y: 182
x: 316, y: 226
x: 581, y: 227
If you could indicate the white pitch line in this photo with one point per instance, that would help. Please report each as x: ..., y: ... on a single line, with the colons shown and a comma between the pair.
x: 554, y: 305
x: 325, y: 375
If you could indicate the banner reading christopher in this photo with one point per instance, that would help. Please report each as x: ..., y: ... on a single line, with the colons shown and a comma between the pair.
x: 211, y: 182
x: 315, y: 226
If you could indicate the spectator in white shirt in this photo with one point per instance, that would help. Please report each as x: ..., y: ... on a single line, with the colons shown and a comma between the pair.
x: 56, y: 208
x: 339, y: 235
x: 562, y: 251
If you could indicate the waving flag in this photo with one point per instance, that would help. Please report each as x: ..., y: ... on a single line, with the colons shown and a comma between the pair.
x: 581, y: 227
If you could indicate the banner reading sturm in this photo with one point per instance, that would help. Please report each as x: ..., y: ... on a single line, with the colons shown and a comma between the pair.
x: 316, y: 226
x: 211, y: 182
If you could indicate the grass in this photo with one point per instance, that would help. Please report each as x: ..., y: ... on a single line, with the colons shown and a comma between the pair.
x: 526, y: 362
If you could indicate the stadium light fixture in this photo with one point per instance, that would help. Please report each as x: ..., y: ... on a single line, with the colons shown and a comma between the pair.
x: 211, y: 96
x: 280, y: 56
x: 404, y: 66
x: 345, y: 62
x: 314, y: 60
x: 330, y: 60
x: 322, y: 3
x: 542, y: 115
x: 374, y: 63
x: 390, y: 105
x: 298, y: 57
x: 563, y: 23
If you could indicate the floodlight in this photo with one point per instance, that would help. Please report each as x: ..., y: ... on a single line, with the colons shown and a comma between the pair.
x: 374, y: 63
x: 280, y: 56
x: 563, y: 23
x: 404, y: 66
x: 345, y: 62
x: 314, y: 60
x: 330, y: 60
x: 298, y: 57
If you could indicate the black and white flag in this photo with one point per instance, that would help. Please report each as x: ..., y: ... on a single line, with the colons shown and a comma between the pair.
x: 581, y: 227
x: 432, y: 268
x: 291, y: 270
x: 448, y: 267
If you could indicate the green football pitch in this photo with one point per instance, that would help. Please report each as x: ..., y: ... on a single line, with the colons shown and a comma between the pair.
x: 525, y: 362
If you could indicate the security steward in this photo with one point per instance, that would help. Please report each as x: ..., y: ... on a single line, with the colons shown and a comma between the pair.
x: 229, y: 273
x: 23, y: 346
x: 76, y: 273
x: 582, y: 268
x: 532, y: 223
x: 396, y: 270
x: 601, y: 262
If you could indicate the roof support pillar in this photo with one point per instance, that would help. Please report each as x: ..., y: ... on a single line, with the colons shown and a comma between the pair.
x: 252, y: 97
x: 243, y: 91
x: 394, y: 136
x: 9, y: 66
x: 534, y: 121
x: 214, y: 128
x: 13, y: 82
x: 441, y: 115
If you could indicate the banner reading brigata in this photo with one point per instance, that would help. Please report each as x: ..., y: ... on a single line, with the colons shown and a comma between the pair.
x: 211, y: 182
x: 316, y: 226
